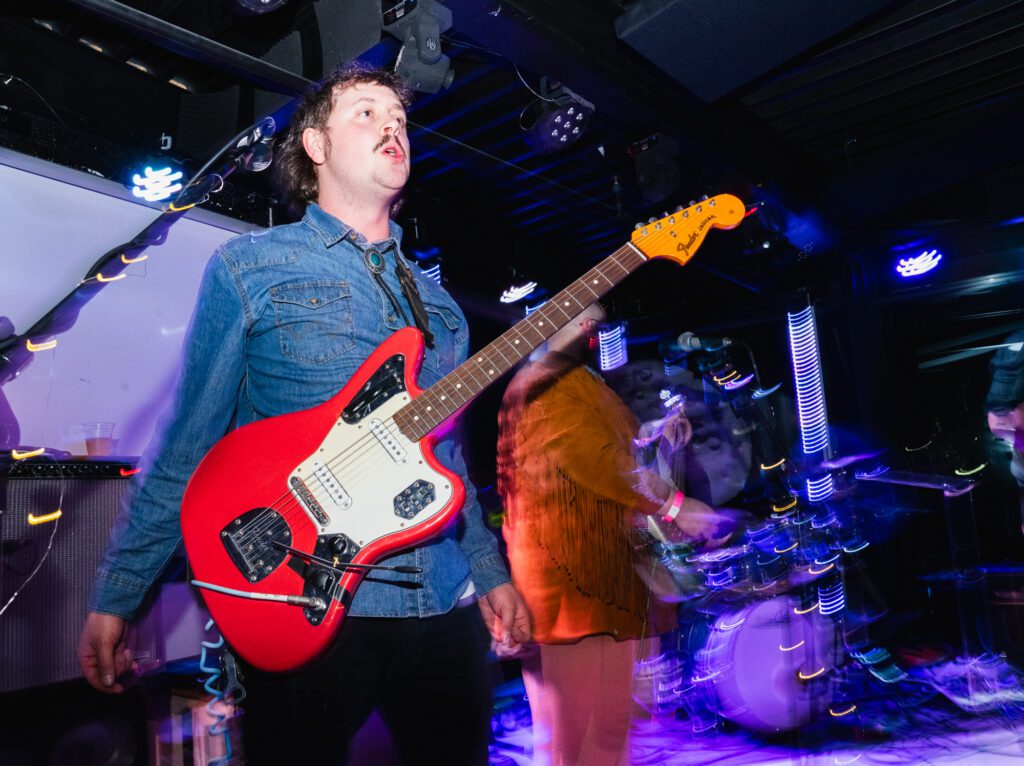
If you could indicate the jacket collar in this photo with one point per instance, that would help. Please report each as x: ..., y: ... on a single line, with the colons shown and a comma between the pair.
x: 333, y: 230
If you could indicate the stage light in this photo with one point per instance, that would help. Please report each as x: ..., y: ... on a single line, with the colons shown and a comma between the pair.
x: 156, y: 183
x: 514, y: 293
x: 918, y: 265
x: 434, y: 272
x: 419, y: 24
x: 258, y: 7
x: 557, y: 119
x: 612, y: 347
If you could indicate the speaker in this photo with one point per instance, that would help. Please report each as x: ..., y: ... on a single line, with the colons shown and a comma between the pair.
x: 48, y: 567
x: 712, y: 47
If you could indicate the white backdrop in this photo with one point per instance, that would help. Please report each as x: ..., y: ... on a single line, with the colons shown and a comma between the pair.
x: 119, y: 360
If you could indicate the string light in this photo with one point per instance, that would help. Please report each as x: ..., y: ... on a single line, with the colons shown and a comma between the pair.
x: 130, y: 471
x: 849, y: 710
x: 44, y: 346
x: 19, y: 455
x: 45, y: 518
x: 808, y: 676
x: 773, y: 466
x: 791, y: 648
x: 137, y: 259
x: 101, y: 278
x: 811, y: 608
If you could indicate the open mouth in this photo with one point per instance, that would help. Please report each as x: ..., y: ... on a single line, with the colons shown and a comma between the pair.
x: 394, y: 152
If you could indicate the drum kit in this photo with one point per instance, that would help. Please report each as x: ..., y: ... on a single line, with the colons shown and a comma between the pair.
x: 759, y: 634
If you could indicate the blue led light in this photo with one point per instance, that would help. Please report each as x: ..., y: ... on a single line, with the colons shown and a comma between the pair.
x: 519, y: 292
x: 918, y: 265
x: 761, y: 393
x: 819, y: 489
x: 434, y: 272
x: 612, y: 347
x: 831, y: 599
x: 531, y: 309
x: 732, y: 385
x: 155, y: 185
x: 810, y: 389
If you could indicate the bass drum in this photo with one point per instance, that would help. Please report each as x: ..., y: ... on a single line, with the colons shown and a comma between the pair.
x: 764, y: 665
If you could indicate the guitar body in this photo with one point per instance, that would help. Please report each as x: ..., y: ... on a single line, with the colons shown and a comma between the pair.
x: 339, y: 481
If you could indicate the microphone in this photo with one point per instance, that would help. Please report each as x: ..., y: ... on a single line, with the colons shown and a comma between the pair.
x: 257, y: 152
x: 688, y: 341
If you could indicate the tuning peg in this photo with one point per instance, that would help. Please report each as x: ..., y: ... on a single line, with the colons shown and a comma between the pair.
x: 693, y: 202
x: 678, y: 208
x: 652, y: 219
x: 638, y: 224
x: 664, y: 214
x: 703, y: 197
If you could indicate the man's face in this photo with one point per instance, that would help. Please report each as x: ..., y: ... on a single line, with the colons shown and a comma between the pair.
x: 1004, y: 424
x: 363, y: 149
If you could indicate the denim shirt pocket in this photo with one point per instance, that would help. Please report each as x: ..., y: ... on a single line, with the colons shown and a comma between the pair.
x: 447, y: 341
x: 314, y: 319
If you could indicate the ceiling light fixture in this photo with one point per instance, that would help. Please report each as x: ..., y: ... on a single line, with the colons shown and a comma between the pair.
x: 557, y: 119
x: 419, y: 24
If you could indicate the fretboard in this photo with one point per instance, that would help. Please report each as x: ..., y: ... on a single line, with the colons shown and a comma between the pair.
x: 467, y: 381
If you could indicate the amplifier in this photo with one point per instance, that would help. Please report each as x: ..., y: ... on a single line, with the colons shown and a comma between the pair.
x: 47, y: 566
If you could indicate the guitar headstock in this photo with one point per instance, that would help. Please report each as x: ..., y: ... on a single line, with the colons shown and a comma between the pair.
x: 677, y: 236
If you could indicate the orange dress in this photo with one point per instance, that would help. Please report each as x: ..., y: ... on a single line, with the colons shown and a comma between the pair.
x: 566, y: 474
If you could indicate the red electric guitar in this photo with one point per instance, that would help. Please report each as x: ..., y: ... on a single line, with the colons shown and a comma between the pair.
x: 284, y: 517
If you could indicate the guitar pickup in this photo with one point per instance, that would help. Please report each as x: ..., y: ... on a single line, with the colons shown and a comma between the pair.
x: 388, y: 441
x: 330, y: 483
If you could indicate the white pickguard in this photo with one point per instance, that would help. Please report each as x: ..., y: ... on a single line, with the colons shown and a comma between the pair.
x: 370, y: 463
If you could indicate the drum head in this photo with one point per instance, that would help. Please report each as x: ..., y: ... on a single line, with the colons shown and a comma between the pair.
x: 769, y: 664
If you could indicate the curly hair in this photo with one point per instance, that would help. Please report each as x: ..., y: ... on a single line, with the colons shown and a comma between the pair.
x: 294, y: 171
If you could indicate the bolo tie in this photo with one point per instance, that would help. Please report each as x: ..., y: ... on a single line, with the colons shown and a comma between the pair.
x: 375, y: 263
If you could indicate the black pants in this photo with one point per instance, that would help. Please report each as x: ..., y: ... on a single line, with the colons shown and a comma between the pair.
x: 426, y: 677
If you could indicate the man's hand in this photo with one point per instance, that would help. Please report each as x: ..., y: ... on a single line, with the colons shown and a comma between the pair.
x: 505, y: 616
x: 102, y: 652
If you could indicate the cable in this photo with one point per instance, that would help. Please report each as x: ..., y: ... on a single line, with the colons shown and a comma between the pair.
x: 7, y: 79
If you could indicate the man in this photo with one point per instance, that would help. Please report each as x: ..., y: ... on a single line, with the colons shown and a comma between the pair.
x: 1005, y: 403
x: 573, y: 499
x: 282, y: 320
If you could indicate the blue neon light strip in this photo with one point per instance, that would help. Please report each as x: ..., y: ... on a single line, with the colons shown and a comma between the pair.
x: 612, y: 347
x: 810, y: 389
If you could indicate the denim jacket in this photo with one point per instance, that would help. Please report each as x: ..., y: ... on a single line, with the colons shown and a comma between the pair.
x: 283, y: 319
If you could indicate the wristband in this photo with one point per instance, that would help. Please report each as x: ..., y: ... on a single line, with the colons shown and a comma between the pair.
x: 673, y: 510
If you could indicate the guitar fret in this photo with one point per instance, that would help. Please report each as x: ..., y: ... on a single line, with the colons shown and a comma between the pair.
x: 465, y: 382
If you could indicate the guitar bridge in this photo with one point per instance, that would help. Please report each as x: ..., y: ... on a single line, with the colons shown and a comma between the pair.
x: 249, y: 542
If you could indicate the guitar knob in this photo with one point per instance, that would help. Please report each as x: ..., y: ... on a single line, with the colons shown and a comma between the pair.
x: 338, y: 545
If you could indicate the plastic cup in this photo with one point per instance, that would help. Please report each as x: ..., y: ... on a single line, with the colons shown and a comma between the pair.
x: 99, y: 437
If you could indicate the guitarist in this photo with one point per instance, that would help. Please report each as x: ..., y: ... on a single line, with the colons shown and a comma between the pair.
x: 283, y: 319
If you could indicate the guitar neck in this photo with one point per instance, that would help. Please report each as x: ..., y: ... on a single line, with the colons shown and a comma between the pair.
x: 467, y: 381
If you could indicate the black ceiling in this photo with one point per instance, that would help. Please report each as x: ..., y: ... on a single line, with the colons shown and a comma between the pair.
x: 850, y: 125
